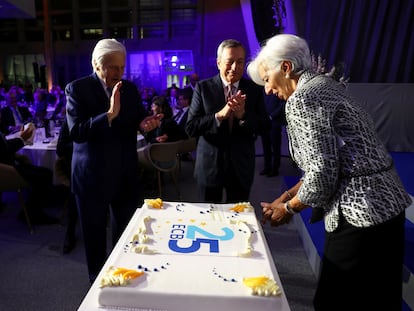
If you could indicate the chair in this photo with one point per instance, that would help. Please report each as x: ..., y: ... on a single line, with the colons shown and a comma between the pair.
x: 186, y: 146
x: 161, y: 157
x: 11, y: 180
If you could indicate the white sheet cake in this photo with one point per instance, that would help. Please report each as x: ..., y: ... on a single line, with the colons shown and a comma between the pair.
x: 187, y: 256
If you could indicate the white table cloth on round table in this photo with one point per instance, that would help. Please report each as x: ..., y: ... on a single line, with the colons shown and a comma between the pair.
x: 42, y: 154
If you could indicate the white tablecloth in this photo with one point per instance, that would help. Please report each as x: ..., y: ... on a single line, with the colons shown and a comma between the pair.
x: 90, y: 302
x: 42, y: 154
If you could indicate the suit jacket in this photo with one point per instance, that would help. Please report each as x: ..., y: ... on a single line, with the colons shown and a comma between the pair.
x: 7, y: 119
x: 218, y: 147
x: 104, y: 156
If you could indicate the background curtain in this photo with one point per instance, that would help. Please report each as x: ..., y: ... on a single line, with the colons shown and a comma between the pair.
x: 263, y: 20
x: 374, y: 39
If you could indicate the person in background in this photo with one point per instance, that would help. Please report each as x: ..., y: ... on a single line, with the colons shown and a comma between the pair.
x: 184, y: 101
x: 168, y: 130
x: 63, y: 168
x: 146, y: 97
x: 28, y: 94
x: 104, y: 114
x: 272, y: 135
x: 13, y: 116
x: 347, y: 174
x: 172, y: 97
x: 39, y: 107
x: 194, y: 78
x: 39, y: 178
x: 225, y: 114
x: 57, y: 101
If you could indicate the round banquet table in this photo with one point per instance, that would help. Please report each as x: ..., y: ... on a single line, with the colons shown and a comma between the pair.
x: 42, y: 154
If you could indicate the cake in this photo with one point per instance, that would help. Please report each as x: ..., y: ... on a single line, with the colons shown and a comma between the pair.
x: 181, y: 256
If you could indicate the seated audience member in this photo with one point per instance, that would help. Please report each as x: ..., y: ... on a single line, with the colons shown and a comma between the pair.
x: 168, y: 130
x: 39, y: 178
x: 172, y: 97
x: 184, y: 101
x: 13, y: 116
x: 39, y: 107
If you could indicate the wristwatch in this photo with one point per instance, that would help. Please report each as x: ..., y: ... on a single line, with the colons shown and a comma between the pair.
x: 289, y: 209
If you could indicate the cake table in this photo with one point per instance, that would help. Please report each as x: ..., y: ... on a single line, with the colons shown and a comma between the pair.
x: 185, y: 256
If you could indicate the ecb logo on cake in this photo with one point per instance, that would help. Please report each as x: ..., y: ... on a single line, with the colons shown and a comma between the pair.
x: 190, y: 239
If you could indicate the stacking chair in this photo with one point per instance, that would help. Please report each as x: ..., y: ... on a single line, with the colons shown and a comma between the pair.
x: 11, y: 180
x: 186, y: 146
x: 161, y: 157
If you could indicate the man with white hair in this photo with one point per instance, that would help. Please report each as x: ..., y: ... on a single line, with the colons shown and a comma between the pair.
x: 104, y: 114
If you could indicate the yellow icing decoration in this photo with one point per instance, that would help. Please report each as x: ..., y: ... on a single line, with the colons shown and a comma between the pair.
x: 154, y: 203
x: 119, y: 276
x: 262, y: 286
x: 240, y: 207
x: 120, y: 271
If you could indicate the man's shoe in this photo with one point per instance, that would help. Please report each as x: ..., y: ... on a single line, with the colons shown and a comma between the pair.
x: 265, y: 172
x: 69, y: 243
x: 273, y: 174
x: 43, y: 219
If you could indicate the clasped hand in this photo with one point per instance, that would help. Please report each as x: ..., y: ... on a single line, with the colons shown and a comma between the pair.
x: 275, y: 212
x: 235, y: 104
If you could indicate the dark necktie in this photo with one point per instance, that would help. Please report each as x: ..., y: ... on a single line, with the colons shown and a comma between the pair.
x: 109, y: 92
x: 231, y: 90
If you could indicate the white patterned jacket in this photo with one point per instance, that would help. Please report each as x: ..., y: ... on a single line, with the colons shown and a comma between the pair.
x: 345, y: 165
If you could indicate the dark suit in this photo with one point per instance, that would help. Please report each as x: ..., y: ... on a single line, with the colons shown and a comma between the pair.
x: 272, y: 134
x: 7, y: 118
x: 225, y: 159
x: 64, y: 150
x: 104, y: 162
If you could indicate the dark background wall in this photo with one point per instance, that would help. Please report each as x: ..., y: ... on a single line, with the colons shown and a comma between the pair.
x: 373, y: 39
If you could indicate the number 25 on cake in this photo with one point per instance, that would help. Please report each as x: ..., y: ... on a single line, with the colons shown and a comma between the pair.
x: 185, y: 256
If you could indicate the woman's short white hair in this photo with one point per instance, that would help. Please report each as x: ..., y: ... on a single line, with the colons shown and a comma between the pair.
x: 105, y: 47
x: 283, y: 47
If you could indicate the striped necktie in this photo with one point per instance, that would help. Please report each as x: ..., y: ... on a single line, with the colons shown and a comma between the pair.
x: 231, y: 89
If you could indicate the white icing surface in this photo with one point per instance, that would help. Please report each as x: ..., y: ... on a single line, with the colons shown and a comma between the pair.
x: 194, y: 257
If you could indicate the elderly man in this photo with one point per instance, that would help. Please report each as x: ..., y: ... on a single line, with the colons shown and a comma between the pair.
x: 104, y: 114
x: 225, y: 113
